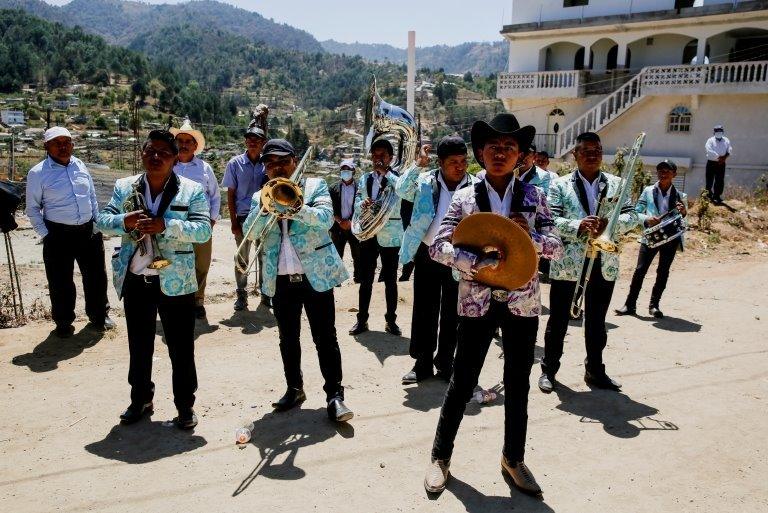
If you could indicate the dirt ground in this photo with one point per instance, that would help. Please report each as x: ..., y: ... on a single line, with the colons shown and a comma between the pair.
x: 686, y: 434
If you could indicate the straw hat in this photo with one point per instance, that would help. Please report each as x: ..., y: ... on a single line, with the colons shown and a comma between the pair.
x: 186, y: 128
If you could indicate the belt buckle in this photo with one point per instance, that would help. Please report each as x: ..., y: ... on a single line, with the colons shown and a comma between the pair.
x: 500, y: 295
x: 295, y: 278
x: 147, y: 279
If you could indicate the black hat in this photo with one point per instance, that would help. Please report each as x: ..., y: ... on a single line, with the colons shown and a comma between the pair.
x: 383, y: 143
x: 451, y: 145
x: 255, y: 130
x: 668, y: 164
x: 165, y: 136
x: 279, y: 147
x: 501, y: 124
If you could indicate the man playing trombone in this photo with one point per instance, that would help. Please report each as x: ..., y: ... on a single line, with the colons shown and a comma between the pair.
x: 575, y: 199
x: 301, y: 268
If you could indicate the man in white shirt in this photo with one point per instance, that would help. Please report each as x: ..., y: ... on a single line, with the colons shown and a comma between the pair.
x: 343, y: 198
x: 191, y: 143
x: 718, y: 148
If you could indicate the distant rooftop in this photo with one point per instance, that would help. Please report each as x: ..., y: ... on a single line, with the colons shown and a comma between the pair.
x: 667, y: 14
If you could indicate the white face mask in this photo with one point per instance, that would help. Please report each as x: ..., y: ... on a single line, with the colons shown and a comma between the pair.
x: 718, y: 135
x: 346, y: 175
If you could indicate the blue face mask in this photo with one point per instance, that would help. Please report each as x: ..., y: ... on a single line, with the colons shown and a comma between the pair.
x: 346, y: 175
x: 718, y: 135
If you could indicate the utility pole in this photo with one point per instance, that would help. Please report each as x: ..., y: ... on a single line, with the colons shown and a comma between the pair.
x: 11, y: 161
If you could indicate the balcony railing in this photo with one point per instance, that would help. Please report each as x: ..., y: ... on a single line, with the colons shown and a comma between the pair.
x: 541, y: 84
x: 734, y: 77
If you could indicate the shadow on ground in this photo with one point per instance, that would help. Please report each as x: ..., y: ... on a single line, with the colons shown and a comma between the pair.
x: 48, y: 353
x: 475, y: 501
x: 251, y: 321
x: 382, y: 344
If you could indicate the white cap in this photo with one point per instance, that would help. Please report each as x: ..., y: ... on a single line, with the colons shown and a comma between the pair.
x: 348, y: 163
x: 54, y: 132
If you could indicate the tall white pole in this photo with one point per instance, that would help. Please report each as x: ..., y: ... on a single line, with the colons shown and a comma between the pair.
x: 410, y: 86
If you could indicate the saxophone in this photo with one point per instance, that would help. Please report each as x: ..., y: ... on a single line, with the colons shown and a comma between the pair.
x: 136, y: 201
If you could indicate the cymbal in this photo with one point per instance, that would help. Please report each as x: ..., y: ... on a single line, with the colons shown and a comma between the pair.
x: 520, y: 261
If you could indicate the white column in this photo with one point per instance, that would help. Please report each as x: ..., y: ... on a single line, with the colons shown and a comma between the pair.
x: 587, y: 51
x: 621, y: 55
x: 410, y: 87
x: 701, y: 49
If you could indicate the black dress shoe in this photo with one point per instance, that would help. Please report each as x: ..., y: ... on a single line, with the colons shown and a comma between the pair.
x: 135, y: 412
x: 186, y: 420
x: 392, y: 328
x: 292, y: 398
x: 625, y: 310
x: 601, y: 381
x: 338, y: 411
x: 359, y: 327
x: 546, y: 384
x: 654, y: 311
x: 200, y: 312
x: 102, y: 326
x: 65, y: 331
x: 414, y: 377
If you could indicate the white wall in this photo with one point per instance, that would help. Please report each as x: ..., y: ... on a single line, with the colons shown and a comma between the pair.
x: 667, y: 49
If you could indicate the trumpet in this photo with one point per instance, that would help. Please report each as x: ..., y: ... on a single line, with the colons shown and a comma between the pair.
x: 136, y: 201
x: 280, y: 197
x: 607, y: 242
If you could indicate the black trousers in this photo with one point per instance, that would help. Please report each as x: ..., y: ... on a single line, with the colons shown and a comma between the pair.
x: 435, y: 296
x: 62, y: 247
x: 644, y: 258
x: 715, y: 177
x: 370, y: 250
x: 143, y: 301
x: 287, y: 303
x: 340, y: 239
x: 596, y: 302
x: 475, y: 333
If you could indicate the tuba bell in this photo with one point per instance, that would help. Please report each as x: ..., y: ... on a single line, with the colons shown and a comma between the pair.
x: 387, y: 121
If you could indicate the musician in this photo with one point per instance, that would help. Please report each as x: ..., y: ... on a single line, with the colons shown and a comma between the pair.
x: 386, y: 243
x: 531, y: 173
x: 178, y: 218
x: 655, y: 201
x: 301, y: 268
x: 343, y: 198
x: 191, y: 143
x: 244, y: 177
x: 542, y: 161
x: 435, y: 291
x: 718, y: 148
x: 574, y: 200
x: 497, y: 146
x: 61, y: 206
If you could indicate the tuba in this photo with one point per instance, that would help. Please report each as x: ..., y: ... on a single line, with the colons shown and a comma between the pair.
x: 608, y: 241
x: 136, y: 201
x: 384, y: 120
x: 280, y: 197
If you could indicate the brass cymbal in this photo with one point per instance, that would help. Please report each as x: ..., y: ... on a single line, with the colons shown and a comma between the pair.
x: 519, y: 261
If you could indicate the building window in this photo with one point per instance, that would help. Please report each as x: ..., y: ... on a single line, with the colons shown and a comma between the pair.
x: 679, y: 120
x: 557, y: 112
x: 575, y: 3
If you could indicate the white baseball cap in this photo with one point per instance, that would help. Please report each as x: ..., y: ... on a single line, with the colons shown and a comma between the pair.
x: 54, y: 132
x: 348, y: 163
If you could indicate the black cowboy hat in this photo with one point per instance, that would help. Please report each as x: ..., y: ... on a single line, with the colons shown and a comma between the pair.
x: 501, y: 124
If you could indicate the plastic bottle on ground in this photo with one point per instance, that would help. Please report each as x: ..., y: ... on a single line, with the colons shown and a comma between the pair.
x: 484, y: 396
x: 243, y: 434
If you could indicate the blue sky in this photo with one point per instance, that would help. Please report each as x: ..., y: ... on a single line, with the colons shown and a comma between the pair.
x: 435, y: 21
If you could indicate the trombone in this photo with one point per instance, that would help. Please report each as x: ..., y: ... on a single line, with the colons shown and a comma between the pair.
x: 607, y: 241
x: 280, y: 197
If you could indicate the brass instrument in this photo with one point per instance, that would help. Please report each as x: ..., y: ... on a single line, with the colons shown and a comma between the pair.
x: 136, y: 201
x: 280, y: 197
x: 608, y: 241
x: 384, y: 120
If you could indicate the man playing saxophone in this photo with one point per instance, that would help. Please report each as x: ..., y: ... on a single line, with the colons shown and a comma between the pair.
x: 574, y: 200
x: 301, y: 268
x: 154, y: 271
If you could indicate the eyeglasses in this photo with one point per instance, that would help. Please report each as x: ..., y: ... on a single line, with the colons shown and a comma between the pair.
x: 150, y: 152
x: 498, y: 148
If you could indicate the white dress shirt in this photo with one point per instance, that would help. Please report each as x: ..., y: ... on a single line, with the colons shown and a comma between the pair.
x: 347, y: 200
x: 288, y: 261
x: 593, y: 191
x: 716, y: 149
x: 442, y: 208
x: 140, y: 262
x: 501, y: 205
x: 201, y: 172
x: 664, y: 204
x: 376, y: 185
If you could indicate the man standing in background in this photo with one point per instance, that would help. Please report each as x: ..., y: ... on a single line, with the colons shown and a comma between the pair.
x: 343, y: 198
x: 718, y: 149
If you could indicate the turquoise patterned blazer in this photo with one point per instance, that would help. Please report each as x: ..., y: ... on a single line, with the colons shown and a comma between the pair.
x: 391, y: 235
x: 538, y: 177
x: 648, y: 206
x: 186, y: 213
x: 420, y: 186
x: 568, y: 202
x: 308, y: 231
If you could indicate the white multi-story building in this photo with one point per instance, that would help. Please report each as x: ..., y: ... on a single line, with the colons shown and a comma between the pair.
x: 670, y: 68
x: 12, y: 117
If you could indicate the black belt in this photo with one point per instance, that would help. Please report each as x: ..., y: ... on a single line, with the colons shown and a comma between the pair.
x: 292, y: 278
x: 149, y: 279
x: 61, y: 227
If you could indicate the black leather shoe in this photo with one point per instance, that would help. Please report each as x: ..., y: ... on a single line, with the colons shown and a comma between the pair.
x: 625, y: 310
x: 65, y: 331
x: 601, y: 381
x: 392, y: 328
x: 654, y: 311
x: 546, y: 384
x: 186, y: 420
x: 105, y: 325
x: 414, y: 377
x: 359, y: 327
x: 200, y: 312
x: 135, y: 412
x: 292, y: 398
x: 338, y: 411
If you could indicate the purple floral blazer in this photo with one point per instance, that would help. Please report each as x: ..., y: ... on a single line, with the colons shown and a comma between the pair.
x: 475, y: 298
